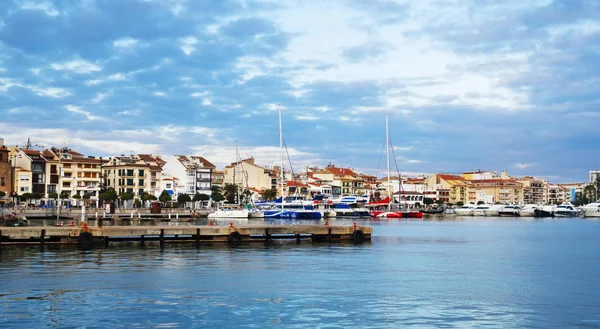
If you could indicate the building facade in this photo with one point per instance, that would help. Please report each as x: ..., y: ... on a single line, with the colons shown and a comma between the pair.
x: 194, y: 172
x: 6, y: 170
x: 131, y: 174
x: 250, y: 175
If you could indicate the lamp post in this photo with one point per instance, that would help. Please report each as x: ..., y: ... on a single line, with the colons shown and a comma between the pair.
x: 115, y: 182
x: 101, y: 185
x: 13, y: 184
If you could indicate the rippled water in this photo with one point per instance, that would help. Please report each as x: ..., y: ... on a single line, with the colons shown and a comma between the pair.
x: 483, y: 273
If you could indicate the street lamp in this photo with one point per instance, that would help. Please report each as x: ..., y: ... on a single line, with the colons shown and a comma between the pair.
x: 14, y: 179
x: 101, y: 185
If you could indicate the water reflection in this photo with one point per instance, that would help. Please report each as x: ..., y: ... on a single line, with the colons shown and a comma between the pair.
x: 494, y: 273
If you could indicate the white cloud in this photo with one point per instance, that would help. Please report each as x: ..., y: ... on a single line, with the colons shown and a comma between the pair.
x: 199, y: 94
x: 99, y: 97
x: 159, y: 93
x: 524, y: 165
x: 51, y: 92
x: 44, y: 6
x: 77, y: 66
x: 206, y: 101
x: 306, y: 117
x: 125, y: 43
x: 113, y: 77
x: 79, y: 110
x: 35, y: 71
x: 130, y: 112
x: 187, y: 44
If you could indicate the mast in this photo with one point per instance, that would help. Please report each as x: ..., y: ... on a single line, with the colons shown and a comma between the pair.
x: 281, y: 153
x: 387, y: 155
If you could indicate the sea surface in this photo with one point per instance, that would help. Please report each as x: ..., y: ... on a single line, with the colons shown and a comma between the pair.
x: 443, y: 273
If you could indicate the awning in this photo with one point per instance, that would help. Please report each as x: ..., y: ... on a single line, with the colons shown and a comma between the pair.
x: 169, y: 192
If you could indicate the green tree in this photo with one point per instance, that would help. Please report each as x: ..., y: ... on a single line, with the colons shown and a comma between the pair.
x: 26, y: 196
x: 269, y: 194
x: 449, y: 204
x: 230, y: 191
x: 440, y: 202
x: 216, y: 194
x: 86, y: 196
x: 460, y: 204
x: 148, y: 197
x: 77, y: 197
x: 417, y: 204
x: 480, y: 202
x: 2, y: 194
x: 428, y: 201
x: 182, y: 199
x: 64, y: 195
x: 126, y: 196
x: 590, y: 193
x: 106, y: 197
x: 164, y: 197
x: 53, y: 195
x: 137, y: 203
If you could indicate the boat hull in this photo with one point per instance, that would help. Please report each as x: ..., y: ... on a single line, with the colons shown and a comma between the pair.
x: 292, y: 215
x: 542, y: 213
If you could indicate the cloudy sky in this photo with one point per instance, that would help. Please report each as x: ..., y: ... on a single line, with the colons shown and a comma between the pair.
x: 467, y: 85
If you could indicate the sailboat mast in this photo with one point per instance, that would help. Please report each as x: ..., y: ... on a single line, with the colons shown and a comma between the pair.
x: 387, y: 155
x: 281, y: 154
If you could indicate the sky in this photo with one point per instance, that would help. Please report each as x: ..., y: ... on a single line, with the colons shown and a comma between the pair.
x: 467, y: 85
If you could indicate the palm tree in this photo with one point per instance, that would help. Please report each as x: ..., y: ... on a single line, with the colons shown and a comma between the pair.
x: 269, y: 194
x: 231, y: 190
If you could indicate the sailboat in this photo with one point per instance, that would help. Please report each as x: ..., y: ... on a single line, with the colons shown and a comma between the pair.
x: 389, y: 212
x: 289, y: 210
x: 232, y: 211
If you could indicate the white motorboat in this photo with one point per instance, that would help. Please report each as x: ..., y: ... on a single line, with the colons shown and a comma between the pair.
x: 229, y: 214
x: 465, y: 210
x: 528, y: 210
x: 565, y: 210
x: 493, y: 210
x: 511, y: 210
x: 591, y: 210
x: 480, y: 209
x: 544, y: 211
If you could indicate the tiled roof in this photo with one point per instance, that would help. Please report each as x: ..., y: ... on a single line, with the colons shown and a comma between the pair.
x: 205, y: 162
x: 451, y: 177
x: 31, y: 152
x: 292, y: 183
x: 340, y: 171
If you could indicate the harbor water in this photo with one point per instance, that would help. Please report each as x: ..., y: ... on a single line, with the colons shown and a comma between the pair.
x: 442, y: 273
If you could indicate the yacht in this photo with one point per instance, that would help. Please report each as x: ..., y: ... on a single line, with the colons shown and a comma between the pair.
x: 465, y: 210
x: 565, y: 210
x: 480, y: 209
x: 511, y: 210
x: 591, y: 210
x: 230, y: 213
x: 544, y: 211
x: 528, y: 210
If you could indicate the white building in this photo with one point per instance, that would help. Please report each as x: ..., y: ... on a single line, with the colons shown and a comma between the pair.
x: 193, y: 172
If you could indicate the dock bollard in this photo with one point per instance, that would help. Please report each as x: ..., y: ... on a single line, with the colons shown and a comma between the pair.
x: 210, y: 224
x: 326, y: 223
x: 230, y: 224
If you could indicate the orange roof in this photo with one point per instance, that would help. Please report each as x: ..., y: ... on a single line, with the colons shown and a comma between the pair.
x: 340, y: 171
x: 451, y: 177
x: 31, y: 152
x: 292, y: 183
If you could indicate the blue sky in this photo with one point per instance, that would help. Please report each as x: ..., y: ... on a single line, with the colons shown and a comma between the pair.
x: 467, y: 85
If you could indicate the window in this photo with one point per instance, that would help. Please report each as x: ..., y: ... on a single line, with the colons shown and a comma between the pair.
x: 141, y: 191
x: 129, y: 182
x: 141, y: 173
x: 1, y: 157
x: 87, y: 165
x: 2, y: 181
x: 141, y: 182
x: 79, y: 165
x: 24, y: 189
x: 129, y: 172
x: 168, y: 185
x: 24, y: 177
x: 36, y: 167
x: 51, y: 188
x: 130, y: 190
x: 66, y: 165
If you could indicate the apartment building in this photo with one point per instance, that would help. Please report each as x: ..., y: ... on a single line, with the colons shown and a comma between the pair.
x: 6, y: 172
x: 194, y: 172
x: 248, y: 174
x: 134, y: 174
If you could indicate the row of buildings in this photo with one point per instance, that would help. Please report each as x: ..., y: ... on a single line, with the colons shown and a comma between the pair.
x: 40, y: 172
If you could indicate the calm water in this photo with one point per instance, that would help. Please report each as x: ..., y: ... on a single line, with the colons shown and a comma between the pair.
x: 433, y: 274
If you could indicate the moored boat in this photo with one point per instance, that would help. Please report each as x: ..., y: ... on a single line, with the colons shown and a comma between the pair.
x: 544, y: 211
x: 465, y: 210
x: 591, y: 210
x: 511, y: 210
x: 565, y: 210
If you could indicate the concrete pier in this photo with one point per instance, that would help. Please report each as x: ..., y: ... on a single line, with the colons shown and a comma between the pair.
x: 86, y: 236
